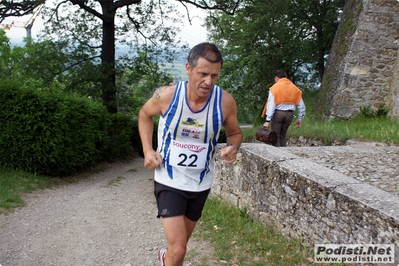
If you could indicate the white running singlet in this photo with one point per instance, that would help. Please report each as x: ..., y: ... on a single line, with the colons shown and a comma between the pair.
x: 187, y: 141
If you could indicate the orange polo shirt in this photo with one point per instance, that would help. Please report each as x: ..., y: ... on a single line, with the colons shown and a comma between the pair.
x: 284, y: 92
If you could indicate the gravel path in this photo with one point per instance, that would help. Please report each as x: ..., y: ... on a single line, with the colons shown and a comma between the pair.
x: 108, y: 218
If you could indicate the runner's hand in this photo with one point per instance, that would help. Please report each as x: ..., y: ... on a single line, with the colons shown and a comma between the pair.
x: 152, y: 160
x: 228, y: 154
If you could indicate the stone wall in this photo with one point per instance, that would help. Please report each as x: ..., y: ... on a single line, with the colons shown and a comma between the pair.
x: 363, y: 68
x: 305, y: 200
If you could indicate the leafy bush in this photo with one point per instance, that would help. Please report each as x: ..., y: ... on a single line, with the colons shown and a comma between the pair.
x: 259, y: 120
x: 135, y: 137
x: 119, y: 131
x: 368, y: 112
x: 49, y: 133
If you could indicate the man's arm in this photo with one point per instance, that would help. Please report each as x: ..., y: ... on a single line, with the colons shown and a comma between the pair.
x: 301, y: 109
x: 301, y: 113
x: 155, y: 106
x: 271, y: 106
x: 233, y: 131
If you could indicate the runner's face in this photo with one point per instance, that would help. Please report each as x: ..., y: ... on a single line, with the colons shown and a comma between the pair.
x: 202, y: 77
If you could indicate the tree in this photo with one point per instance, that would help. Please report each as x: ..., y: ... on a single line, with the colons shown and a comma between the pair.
x: 322, y: 19
x: 263, y: 36
x: 91, y: 34
x: 42, y: 61
x: 96, y: 20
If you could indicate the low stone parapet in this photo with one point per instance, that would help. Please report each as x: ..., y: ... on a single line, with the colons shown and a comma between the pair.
x: 305, y: 200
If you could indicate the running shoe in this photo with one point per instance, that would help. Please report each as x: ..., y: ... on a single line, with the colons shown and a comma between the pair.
x: 162, y: 256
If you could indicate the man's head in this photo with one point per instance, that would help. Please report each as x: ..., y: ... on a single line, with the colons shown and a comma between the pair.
x: 203, y: 67
x: 206, y: 50
x: 280, y: 74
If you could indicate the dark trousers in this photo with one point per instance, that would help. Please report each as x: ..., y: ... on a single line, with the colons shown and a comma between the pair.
x: 280, y: 122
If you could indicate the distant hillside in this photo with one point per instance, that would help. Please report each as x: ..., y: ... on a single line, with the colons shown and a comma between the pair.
x: 178, y: 70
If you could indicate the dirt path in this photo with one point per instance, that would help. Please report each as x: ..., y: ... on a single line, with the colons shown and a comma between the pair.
x: 106, y: 219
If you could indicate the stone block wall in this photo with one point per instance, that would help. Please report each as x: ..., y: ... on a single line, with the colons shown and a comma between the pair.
x: 363, y: 67
x: 305, y: 200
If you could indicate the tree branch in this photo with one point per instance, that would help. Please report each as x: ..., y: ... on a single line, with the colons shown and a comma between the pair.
x: 17, y: 8
x: 82, y: 5
x: 137, y: 25
x: 228, y: 7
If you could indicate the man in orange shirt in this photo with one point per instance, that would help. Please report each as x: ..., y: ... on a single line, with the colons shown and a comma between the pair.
x: 284, y: 98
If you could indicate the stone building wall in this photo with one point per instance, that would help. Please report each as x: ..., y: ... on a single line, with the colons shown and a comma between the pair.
x: 363, y: 68
x: 305, y: 200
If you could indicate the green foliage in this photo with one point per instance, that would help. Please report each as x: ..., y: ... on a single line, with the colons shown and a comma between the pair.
x: 53, y: 81
x: 368, y: 112
x: 49, y: 133
x: 135, y: 137
x: 264, y: 36
x: 259, y: 120
x: 42, y: 61
x: 5, y: 54
x: 118, y: 139
x: 138, y: 78
x: 90, y: 29
x: 58, y: 66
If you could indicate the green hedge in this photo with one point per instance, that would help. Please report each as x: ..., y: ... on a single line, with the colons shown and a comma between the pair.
x: 118, y: 139
x: 57, y: 134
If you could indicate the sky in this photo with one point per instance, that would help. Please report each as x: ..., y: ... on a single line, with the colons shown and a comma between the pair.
x: 192, y: 34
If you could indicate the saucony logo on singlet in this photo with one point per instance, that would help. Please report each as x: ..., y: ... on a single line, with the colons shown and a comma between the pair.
x: 192, y: 122
x: 188, y: 146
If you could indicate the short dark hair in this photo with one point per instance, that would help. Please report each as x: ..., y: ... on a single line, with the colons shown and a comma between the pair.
x: 206, y: 50
x: 280, y: 74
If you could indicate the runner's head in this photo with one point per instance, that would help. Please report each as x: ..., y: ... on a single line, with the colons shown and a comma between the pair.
x: 206, y: 50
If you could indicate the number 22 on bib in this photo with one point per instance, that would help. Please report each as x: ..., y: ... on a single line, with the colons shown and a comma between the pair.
x: 188, y: 155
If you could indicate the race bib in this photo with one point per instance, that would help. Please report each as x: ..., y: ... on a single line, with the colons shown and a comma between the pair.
x: 188, y: 155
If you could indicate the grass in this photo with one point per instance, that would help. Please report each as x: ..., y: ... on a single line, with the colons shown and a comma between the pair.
x: 115, y: 182
x: 238, y: 240
x: 14, y: 183
x: 379, y: 129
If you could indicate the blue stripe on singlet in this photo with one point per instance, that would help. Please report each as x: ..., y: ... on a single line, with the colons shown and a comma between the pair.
x: 215, y: 122
x: 171, y: 113
x: 217, y: 116
x: 205, y: 140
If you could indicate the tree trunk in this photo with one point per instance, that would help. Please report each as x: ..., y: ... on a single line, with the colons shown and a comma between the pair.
x: 108, y: 78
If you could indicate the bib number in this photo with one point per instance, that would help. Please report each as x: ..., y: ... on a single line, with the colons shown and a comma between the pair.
x: 188, y: 161
x: 188, y: 155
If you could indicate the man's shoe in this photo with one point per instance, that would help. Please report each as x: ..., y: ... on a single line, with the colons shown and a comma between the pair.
x: 162, y: 256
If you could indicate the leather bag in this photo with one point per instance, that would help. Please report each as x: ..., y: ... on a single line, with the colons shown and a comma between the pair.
x: 266, y: 136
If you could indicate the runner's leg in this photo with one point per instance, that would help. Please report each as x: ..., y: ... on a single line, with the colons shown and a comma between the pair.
x: 177, y: 230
